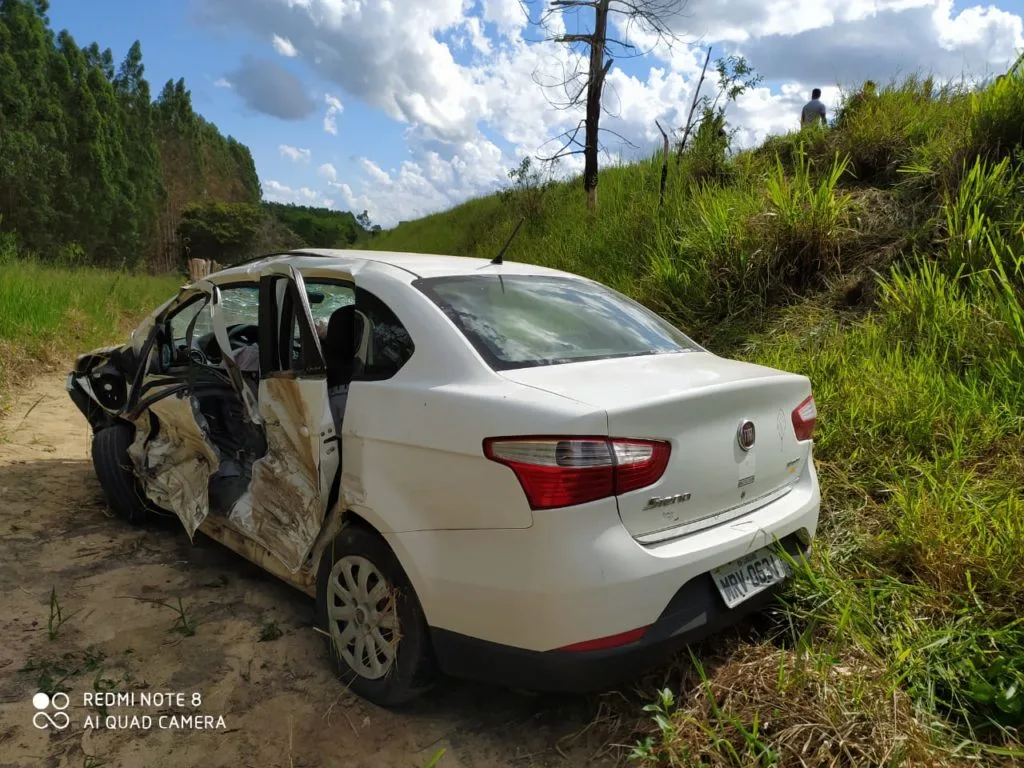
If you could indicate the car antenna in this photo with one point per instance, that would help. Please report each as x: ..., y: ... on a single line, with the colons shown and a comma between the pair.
x: 497, y: 259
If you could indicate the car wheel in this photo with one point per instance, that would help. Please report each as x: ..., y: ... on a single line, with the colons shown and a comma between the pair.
x: 114, y: 470
x: 376, y: 631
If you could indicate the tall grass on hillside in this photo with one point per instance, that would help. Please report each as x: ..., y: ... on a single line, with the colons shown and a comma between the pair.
x: 884, y: 259
x: 49, y: 313
x: 903, y: 644
x: 906, y: 122
x: 916, y: 592
x: 996, y: 129
x: 730, y: 251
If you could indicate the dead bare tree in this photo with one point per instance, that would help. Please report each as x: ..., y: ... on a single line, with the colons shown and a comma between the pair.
x: 693, y: 106
x: 664, y: 165
x: 735, y: 77
x: 585, y: 85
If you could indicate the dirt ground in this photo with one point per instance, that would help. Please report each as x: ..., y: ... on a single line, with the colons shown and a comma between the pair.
x: 89, y: 603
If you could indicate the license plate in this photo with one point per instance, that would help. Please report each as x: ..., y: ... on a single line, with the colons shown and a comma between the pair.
x: 742, y: 579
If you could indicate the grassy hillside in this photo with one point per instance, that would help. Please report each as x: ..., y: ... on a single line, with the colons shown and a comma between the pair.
x: 884, y: 259
x: 48, y: 314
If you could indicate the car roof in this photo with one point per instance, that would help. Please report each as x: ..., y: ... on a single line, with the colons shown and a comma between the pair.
x: 414, y: 264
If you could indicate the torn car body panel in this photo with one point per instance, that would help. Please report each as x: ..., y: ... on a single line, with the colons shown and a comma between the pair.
x: 285, y: 505
x: 286, y: 502
x: 251, y: 462
x: 173, y: 455
x: 239, y: 542
x: 174, y: 459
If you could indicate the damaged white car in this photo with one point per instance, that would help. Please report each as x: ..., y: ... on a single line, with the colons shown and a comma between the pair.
x: 488, y: 469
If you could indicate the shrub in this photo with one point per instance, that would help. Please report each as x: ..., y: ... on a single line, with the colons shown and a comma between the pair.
x: 883, y: 133
x: 223, y: 232
x: 805, y: 221
x: 997, y: 118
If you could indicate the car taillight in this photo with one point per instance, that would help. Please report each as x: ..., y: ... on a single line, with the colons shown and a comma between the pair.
x: 562, y: 471
x: 804, y: 417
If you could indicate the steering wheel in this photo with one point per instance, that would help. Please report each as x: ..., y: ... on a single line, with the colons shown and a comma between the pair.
x: 242, y: 335
x: 197, y: 355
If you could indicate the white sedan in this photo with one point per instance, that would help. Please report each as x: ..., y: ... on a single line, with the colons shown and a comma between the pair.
x: 491, y: 470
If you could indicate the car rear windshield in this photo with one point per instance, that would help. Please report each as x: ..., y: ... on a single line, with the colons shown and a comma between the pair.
x: 522, y: 321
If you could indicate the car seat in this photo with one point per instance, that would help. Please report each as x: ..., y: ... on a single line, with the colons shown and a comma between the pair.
x: 339, y: 346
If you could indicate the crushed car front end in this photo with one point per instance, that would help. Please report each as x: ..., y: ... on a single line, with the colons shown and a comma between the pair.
x: 100, y: 382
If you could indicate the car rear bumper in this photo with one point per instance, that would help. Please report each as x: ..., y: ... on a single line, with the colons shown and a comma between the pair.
x: 515, y: 597
x: 694, y: 612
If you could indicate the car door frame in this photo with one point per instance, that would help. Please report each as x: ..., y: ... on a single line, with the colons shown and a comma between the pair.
x: 284, y: 507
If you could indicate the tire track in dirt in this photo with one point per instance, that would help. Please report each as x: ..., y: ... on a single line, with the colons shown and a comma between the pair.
x: 281, y: 704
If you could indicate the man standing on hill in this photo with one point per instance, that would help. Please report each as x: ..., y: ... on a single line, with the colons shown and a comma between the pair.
x: 813, y: 111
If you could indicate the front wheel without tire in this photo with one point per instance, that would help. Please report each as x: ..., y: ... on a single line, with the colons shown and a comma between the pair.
x: 376, y: 631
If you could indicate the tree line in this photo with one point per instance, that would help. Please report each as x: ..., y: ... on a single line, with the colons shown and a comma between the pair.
x: 94, y: 170
x: 230, y: 232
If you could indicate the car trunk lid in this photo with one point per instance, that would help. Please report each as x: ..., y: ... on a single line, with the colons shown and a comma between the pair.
x: 697, y: 401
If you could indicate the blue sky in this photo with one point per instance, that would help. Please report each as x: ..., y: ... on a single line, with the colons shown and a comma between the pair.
x: 439, y: 99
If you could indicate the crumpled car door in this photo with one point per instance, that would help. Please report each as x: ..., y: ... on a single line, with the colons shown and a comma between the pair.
x: 285, y: 505
x: 172, y: 453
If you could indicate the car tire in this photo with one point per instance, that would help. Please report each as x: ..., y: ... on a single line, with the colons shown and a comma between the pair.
x: 383, y: 651
x: 114, y: 469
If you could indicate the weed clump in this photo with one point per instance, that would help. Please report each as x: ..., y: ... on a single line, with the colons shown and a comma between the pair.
x: 766, y: 706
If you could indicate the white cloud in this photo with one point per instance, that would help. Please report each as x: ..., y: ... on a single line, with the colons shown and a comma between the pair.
x: 461, y: 75
x: 475, y: 29
x: 294, y: 153
x: 375, y: 172
x: 277, y: 192
x: 508, y: 15
x: 929, y: 38
x: 284, y: 46
x: 433, y: 181
x: 222, y: 82
x: 334, y: 108
x: 328, y: 172
x: 386, y: 53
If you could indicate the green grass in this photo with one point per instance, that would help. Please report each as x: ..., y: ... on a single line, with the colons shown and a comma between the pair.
x: 48, y: 314
x: 884, y: 259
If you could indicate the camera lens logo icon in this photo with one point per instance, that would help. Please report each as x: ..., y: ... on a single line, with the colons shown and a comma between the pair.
x: 59, y: 719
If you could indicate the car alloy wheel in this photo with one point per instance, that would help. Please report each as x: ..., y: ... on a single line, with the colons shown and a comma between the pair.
x: 372, y: 620
x: 363, y: 617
